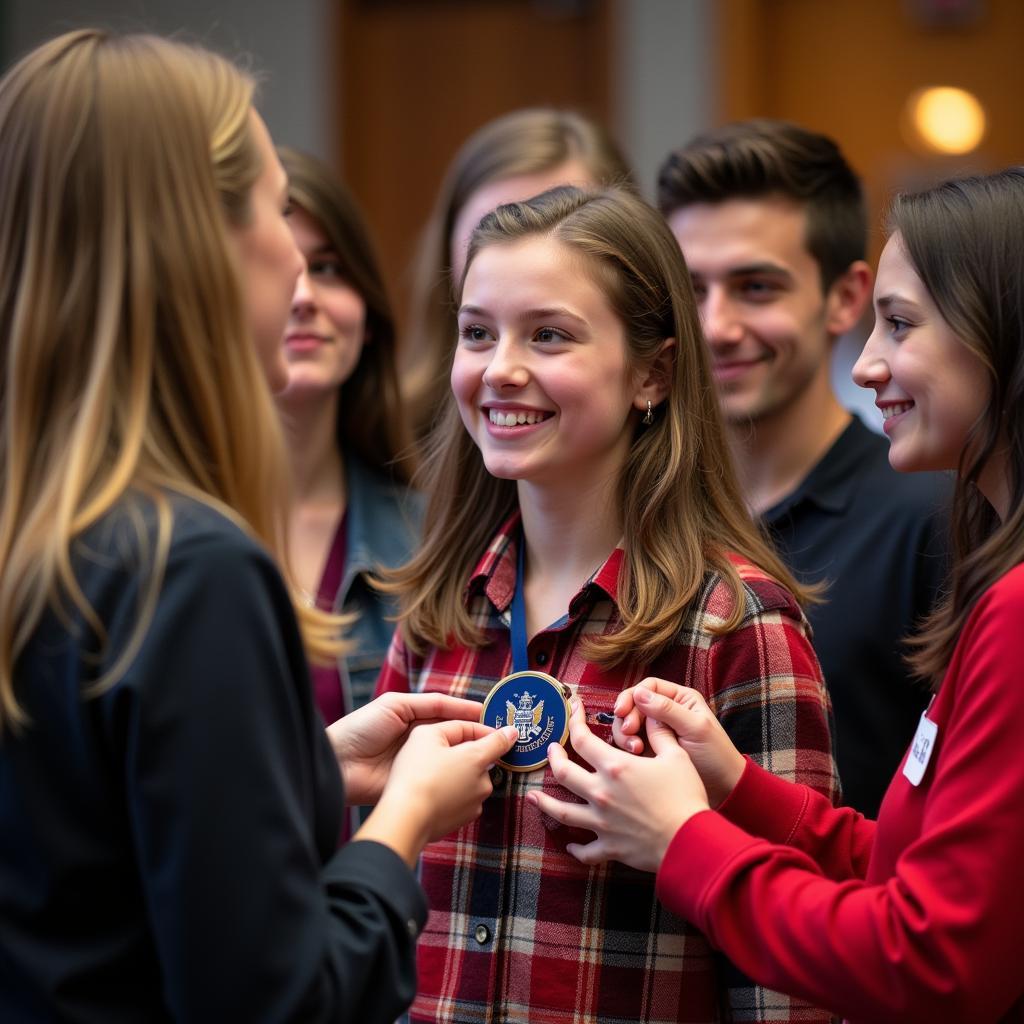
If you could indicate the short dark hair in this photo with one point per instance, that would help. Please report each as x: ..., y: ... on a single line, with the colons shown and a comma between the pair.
x: 761, y: 158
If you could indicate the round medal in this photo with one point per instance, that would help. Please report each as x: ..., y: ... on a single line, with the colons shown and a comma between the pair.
x: 538, y: 706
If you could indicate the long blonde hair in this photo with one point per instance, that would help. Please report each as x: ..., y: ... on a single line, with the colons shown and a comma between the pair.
x: 529, y: 141
x: 679, y: 498
x: 127, y: 362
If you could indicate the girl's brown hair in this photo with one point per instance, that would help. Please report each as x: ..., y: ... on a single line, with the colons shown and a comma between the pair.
x: 529, y: 141
x: 964, y: 239
x: 371, y: 416
x: 127, y: 365
x: 678, y: 495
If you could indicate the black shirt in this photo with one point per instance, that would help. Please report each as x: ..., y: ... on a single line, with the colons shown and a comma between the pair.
x: 167, y: 849
x: 879, y: 538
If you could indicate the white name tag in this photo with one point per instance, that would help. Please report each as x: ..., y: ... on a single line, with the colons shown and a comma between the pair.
x: 920, y: 750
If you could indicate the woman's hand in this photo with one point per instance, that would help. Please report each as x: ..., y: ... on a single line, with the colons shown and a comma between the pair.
x: 439, y: 781
x: 634, y: 804
x: 366, y: 741
x: 687, y: 714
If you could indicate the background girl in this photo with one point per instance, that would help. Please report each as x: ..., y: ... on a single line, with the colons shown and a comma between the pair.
x: 345, y: 430
x: 915, y: 917
x: 583, y: 430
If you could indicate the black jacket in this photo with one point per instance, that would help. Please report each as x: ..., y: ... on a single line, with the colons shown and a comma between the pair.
x: 878, y: 538
x: 167, y: 848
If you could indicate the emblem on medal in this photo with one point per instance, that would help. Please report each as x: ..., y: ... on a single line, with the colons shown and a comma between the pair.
x: 538, y: 706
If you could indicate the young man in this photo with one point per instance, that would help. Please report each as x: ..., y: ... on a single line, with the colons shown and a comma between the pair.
x: 771, y: 220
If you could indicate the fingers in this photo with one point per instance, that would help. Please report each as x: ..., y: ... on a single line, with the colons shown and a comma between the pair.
x: 631, y: 705
x: 592, y: 749
x: 679, y: 717
x: 490, y: 743
x: 440, y: 705
x: 624, y: 704
x: 498, y: 742
x: 633, y: 744
x: 460, y: 731
x: 628, y: 720
x: 663, y: 738
x: 574, y: 777
x: 573, y: 815
x: 589, y: 853
x: 427, y: 707
x: 682, y: 696
x: 663, y: 686
x: 631, y: 723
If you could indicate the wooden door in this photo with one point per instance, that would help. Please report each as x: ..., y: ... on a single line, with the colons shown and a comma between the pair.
x: 418, y: 76
x: 847, y: 68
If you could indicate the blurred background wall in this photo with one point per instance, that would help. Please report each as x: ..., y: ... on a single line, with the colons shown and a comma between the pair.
x: 287, y: 41
x: 386, y: 90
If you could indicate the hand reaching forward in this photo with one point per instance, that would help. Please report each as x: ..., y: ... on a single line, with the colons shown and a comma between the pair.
x: 634, y: 804
x: 439, y: 781
x: 695, y: 725
x: 366, y: 741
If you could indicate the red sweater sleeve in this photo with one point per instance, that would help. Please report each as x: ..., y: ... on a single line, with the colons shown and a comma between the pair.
x: 838, y: 840
x: 933, y: 933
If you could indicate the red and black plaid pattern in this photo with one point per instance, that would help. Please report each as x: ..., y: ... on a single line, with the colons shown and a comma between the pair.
x: 522, y: 933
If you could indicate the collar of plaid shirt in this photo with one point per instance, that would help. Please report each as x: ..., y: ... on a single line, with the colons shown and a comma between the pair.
x: 495, y: 573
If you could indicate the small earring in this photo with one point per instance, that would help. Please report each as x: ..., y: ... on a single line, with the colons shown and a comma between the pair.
x: 649, y: 415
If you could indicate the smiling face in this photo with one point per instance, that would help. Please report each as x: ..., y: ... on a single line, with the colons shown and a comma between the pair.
x: 930, y: 387
x: 764, y: 315
x: 541, y: 373
x: 327, y: 327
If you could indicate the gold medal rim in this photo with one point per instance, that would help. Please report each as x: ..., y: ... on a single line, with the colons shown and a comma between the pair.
x: 559, y: 687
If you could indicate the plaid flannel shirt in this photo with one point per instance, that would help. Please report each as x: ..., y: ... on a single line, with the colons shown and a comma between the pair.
x: 522, y: 933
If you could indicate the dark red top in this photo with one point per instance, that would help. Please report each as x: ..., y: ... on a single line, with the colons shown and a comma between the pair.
x: 326, y: 678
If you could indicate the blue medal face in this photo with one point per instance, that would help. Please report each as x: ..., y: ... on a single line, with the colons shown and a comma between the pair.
x: 538, y: 706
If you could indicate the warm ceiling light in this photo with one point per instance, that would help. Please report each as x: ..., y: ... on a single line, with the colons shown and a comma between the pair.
x: 947, y: 119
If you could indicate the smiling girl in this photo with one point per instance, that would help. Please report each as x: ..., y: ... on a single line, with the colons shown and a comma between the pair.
x: 580, y: 475
x: 515, y: 156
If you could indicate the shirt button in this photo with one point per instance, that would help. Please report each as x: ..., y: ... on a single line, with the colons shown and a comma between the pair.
x: 497, y: 777
x: 412, y: 928
x: 542, y: 658
x: 482, y: 934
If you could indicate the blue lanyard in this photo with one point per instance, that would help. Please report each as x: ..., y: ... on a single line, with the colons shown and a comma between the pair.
x: 520, y: 658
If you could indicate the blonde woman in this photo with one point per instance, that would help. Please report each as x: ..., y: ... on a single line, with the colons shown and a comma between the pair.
x: 584, y: 522
x: 169, y: 804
